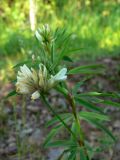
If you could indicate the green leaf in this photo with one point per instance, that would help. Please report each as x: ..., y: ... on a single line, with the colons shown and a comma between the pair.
x: 82, y: 154
x: 88, y: 69
x: 72, y: 155
x: 102, y: 127
x: 60, y: 56
x: 62, y: 154
x: 62, y: 90
x: 111, y: 103
x: 22, y: 63
x: 95, y: 100
x: 60, y: 38
x: 12, y: 93
x: 91, y: 94
x: 75, y: 89
x: 29, y: 62
x: 52, y: 53
x: 52, y: 133
x: 73, y: 51
x: 75, y: 129
x: 92, y: 115
x: 88, y: 105
x: 60, y: 143
x: 67, y: 58
x: 56, y: 120
x: 100, y: 94
x: 79, y: 84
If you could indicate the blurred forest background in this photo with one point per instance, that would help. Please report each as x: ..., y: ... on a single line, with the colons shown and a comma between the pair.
x: 94, y: 24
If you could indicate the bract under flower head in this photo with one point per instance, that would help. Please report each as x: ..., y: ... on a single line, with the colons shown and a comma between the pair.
x: 30, y: 81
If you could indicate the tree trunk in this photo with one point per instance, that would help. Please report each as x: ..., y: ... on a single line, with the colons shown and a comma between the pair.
x: 32, y: 15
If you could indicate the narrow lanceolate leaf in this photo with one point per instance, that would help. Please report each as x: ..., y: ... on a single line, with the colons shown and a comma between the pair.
x: 21, y: 63
x: 102, y: 127
x: 82, y: 154
x: 49, y: 137
x: 62, y: 154
x: 111, y: 103
x: 98, y: 94
x: 88, y: 69
x: 52, y: 53
x: 72, y: 155
x: 92, y: 115
x: 74, y: 51
x: 77, y: 86
x: 12, y: 93
x: 55, y: 120
x: 67, y: 58
x: 88, y: 105
x: 90, y: 94
x: 60, y: 143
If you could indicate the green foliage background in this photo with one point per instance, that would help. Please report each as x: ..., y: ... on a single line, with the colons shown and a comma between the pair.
x: 95, y: 24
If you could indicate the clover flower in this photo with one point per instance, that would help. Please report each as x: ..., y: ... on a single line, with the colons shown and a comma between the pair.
x: 30, y: 81
x: 43, y: 34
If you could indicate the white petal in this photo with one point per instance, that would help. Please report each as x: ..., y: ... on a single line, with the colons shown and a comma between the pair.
x: 34, y: 76
x: 42, y: 75
x: 38, y: 36
x: 20, y: 73
x: 35, y: 95
x: 51, y: 82
x: 26, y: 71
x: 61, y: 75
x: 22, y: 89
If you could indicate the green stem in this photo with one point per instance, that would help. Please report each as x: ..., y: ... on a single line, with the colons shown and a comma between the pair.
x: 72, y: 103
x: 81, y: 137
x: 52, y: 110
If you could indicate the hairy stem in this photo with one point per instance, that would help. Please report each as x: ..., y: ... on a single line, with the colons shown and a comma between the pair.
x: 81, y: 136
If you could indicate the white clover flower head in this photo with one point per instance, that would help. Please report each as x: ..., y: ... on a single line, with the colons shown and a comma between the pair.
x: 27, y: 80
x: 46, y: 28
x: 33, y: 57
x: 43, y: 34
x: 30, y: 81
